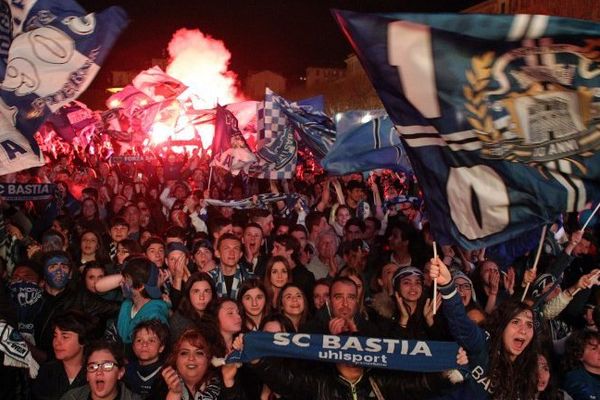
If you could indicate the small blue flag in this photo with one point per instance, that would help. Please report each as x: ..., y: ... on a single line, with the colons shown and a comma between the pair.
x: 366, y: 140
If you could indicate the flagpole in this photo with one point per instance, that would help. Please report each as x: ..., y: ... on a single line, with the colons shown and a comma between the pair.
x: 590, y: 217
x: 537, y: 258
x: 435, y: 255
x: 209, y: 180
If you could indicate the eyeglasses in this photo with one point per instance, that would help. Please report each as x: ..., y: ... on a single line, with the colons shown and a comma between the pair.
x: 105, y: 366
x: 464, y: 286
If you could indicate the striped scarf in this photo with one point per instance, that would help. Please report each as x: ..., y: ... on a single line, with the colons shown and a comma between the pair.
x: 239, y: 277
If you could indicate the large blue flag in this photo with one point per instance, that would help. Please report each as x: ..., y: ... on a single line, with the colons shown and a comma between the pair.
x: 498, y: 114
x: 315, y: 128
x: 50, y: 52
x: 366, y: 140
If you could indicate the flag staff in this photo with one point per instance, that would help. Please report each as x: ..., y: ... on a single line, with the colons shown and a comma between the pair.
x: 435, y: 255
x: 537, y: 258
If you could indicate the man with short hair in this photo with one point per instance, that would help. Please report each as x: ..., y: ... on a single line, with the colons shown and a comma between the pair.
x: 119, y: 230
x: 343, y: 314
x: 354, y: 229
x: 316, y: 222
x: 355, y: 193
x: 288, y: 247
x: 254, y: 259
x: 229, y: 274
x: 131, y: 214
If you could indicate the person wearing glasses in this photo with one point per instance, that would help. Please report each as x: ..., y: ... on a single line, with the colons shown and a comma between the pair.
x: 465, y: 289
x: 105, y: 367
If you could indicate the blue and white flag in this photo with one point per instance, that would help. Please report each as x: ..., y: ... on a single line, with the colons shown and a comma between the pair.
x: 229, y: 148
x: 366, y: 140
x: 398, y: 354
x: 276, y: 147
x: 257, y: 201
x: 49, y: 54
x: 314, y: 127
x: 499, y: 114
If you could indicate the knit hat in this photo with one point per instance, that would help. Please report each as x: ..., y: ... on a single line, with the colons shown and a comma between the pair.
x: 406, y: 272
x: 460, y: 274
x: 177, y: 246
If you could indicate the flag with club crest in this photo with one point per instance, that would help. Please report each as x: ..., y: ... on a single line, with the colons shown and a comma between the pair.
x: 366, y: 140
x: 314, y: 127
x: 50, y: 52
x: 245, y: 113
x: 499, y: 114
x: 229, y: 148
x: 277, y: 148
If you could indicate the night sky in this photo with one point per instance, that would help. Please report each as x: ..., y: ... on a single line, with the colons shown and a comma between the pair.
x: 284, y: 36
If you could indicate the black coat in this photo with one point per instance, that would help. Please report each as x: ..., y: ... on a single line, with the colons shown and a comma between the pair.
x: 52, y: 382
x: 327, y: 384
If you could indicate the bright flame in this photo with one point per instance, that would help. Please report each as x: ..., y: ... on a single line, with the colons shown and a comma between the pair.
x: 202, y: 63
x: 160, y: 133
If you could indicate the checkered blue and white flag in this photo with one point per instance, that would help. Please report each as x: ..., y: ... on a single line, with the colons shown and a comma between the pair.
x: 277, y: 148
x: 50, y: 51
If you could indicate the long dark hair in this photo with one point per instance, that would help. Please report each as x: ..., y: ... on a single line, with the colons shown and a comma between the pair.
x: 185, y: 306
x: 551, y: 392
x: 267, y: 278
x: 522, y: 372
x: 249, y: 284
x: 305, y: 312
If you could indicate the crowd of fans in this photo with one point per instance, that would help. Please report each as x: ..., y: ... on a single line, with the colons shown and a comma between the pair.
x: 127, y: 283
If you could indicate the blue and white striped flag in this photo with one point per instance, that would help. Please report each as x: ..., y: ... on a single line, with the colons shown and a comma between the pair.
x: 49, y: 54
x: 313, y: 126
x: 366, y: 140
x: 499, y: 114
x: 277, y: 148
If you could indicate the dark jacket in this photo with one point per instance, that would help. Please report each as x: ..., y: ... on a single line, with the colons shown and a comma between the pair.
x: 581, y: 385
x: 327, y: 384
x: 474, y: 340
x: 52, y: 382
x: 51, y: 307
x: 320, y: 324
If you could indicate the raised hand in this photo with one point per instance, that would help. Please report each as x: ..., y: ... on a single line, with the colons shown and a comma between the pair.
x: 404, y: 314
x: 438, y: 270
x: 172, y: 380
x: 508, y: 280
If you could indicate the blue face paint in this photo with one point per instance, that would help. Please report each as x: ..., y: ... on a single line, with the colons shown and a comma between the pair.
x: 57, y: 279
x: 127, y: 290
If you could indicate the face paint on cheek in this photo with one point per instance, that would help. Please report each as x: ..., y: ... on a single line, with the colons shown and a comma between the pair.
x: 57, y: 279
x: 127, y: 291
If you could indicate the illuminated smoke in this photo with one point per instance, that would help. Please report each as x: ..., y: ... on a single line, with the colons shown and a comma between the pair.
x: 202, y: 63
